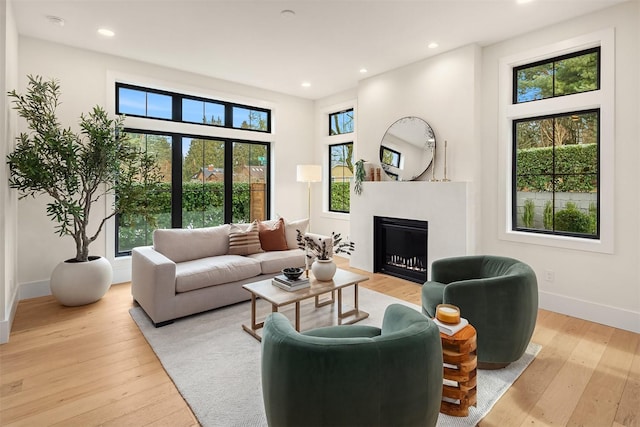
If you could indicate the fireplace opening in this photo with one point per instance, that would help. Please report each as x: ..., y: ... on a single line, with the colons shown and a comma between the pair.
x: 400, y: 248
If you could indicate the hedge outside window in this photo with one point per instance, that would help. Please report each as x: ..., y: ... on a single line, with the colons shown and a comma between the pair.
x: 216, y: 181
x: 341, y: 174
x: 556, y: 165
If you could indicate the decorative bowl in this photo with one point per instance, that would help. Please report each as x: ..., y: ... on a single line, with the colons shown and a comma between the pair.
x: 292, y: 273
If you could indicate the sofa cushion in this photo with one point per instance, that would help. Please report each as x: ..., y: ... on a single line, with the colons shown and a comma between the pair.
x: 272, y: 237
x: 244, y: 240
x: 213, y: 271
x: 186, y: 244
x: 290, y: 232
x: 274, y: 261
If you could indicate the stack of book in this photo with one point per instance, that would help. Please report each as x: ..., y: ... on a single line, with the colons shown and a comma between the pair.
x: 450, y: 329
x: 282, y: 282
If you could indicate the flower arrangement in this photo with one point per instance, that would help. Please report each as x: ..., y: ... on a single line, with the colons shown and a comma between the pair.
x: 317, y: 248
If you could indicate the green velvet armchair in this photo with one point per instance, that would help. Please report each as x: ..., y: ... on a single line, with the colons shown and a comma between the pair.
x: 353, y: 375
x: 499, y: 297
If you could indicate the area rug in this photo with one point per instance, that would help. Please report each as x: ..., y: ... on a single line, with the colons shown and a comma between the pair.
x: 216, y: 365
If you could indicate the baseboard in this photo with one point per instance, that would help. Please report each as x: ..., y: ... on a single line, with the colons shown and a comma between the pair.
x: 5, y: 324
x: 607, y: 315
x: 34, y: 289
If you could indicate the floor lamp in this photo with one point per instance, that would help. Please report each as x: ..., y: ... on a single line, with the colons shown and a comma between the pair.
x: 309, y: 174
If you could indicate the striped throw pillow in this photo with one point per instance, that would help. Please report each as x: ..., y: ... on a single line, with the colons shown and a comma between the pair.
x: 243, y: 240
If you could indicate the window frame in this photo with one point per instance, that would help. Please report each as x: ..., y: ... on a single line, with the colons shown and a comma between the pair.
x: 604, y: 98
x: 331, y: 115
x: 176, y: 177
x: 177, y: 99
x: 553, y: 174
x: 553, y: 60
x: 330, y: 180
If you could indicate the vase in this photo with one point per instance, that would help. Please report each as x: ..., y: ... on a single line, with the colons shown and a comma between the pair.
x: 78, y: 283
x: 323, y: 269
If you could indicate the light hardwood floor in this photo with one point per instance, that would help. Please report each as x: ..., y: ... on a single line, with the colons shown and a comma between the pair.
x: 91, y: 365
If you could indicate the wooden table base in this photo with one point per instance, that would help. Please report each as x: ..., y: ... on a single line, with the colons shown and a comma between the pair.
x: 460, y: 375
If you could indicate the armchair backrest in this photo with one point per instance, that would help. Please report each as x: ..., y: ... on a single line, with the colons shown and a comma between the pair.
x: 394, y: 378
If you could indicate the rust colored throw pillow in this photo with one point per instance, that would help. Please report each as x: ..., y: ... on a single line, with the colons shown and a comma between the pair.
x: 272, y: 237
x: 244, y: 241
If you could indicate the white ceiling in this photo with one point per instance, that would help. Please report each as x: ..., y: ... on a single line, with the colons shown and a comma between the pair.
x: 325, y: 43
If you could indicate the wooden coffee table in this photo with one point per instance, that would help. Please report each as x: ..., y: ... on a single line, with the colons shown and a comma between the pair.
x: 279, y: 297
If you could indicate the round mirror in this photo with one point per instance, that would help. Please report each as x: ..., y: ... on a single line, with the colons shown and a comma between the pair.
x: 407, y: 149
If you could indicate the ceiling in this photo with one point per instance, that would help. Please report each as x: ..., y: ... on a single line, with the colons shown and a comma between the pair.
x: 324, y: 43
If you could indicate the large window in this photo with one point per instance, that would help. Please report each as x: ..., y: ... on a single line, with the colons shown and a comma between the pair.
x: 341, y: 175
x: 556, y: 157
x: 207, y: 181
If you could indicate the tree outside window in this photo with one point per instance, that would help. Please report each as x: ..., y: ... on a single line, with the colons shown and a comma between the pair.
x: 341, y: 175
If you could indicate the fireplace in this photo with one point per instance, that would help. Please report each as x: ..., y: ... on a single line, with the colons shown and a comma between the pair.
x: 400, y: 248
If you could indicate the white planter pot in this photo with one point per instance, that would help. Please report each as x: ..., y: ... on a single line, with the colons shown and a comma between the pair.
x: 80, y: 283
x: 323, y: 269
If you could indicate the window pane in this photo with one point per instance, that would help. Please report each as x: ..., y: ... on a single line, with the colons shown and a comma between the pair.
x: 202, y: 183
x: 557, y: 173
x: 341, y: 159
x: 341, y: 122
x: 249, y: 182
x: 534, y: 209
x: 535, y: 82
x: 132, y: 101
x: 559, y: 76
x: 193, y: 111
x: 244, y: 118
x: 577, y: 74
x: 214, y: 114
x: 159, y: 106
x: 135, y: 231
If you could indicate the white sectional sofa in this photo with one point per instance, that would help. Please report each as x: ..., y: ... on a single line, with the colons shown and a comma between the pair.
x: 188, y: 271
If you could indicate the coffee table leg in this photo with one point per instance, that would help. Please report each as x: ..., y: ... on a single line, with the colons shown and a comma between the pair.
x: 254, y: 325
x: 298, y: 316
x: 351, y: 316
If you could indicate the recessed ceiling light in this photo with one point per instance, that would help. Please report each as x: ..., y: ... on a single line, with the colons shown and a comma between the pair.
x: 106, y: 32
x: 287, y: 14
x: 306, y: 84
x: 432, y: 45
x: 363, y: 70
x: 523, y: 1
x: 55, y: 20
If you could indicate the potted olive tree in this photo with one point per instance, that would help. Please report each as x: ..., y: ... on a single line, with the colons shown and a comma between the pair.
x: 76, y: 170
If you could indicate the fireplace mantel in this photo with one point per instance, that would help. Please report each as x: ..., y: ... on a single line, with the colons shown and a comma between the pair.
x: 445, y: 205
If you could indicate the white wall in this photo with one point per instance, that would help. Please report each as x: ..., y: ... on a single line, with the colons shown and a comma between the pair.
x: 83, y: 77
x: 8, y: 198
x: 596, y: 286
x: 444, y: 91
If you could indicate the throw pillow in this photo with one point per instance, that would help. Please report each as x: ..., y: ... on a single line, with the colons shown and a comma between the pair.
x: 272, y: 237
x: 244, y: 241
x: 290, y: 231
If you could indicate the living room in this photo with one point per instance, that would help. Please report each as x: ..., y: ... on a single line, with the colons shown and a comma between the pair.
x: 459, y: 92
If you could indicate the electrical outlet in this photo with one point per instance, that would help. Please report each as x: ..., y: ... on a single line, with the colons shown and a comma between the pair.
x: 549, y: 276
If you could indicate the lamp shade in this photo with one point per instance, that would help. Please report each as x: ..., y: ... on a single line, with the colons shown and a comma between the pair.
x: 309, y: 173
